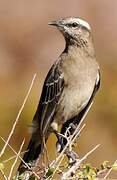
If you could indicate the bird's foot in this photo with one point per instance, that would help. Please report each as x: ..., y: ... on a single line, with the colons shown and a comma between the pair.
x: 72, y: 156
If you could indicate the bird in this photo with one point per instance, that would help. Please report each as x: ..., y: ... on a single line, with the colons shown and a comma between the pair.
x: 69, y: 87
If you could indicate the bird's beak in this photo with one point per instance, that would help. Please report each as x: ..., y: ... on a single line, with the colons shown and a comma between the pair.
x: 55, y: 23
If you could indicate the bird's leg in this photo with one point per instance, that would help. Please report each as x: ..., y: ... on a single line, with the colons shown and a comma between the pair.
x: 61, y: 141
x: 72, y: 156
x: 64, y: 138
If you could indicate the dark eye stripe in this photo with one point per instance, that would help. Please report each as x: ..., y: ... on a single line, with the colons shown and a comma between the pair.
x: 74, y: 24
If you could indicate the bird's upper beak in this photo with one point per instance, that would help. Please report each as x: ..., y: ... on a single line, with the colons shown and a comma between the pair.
x: 56, y: 23
x: 53, y: 23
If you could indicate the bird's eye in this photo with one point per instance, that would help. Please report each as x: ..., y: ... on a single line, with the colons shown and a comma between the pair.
x: 74, y: 24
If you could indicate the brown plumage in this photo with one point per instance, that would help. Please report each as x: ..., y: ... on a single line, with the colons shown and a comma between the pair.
x: 69, y: 87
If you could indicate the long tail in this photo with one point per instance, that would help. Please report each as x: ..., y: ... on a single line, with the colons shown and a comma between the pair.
x: 31, y: 155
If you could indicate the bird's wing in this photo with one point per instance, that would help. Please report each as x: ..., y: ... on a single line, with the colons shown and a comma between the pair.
x: 51, y: 93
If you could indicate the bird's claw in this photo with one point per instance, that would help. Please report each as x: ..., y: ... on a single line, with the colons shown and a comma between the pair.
x: 72, y: 156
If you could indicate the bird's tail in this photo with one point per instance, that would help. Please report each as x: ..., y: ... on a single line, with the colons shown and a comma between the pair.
x: 31, y: 155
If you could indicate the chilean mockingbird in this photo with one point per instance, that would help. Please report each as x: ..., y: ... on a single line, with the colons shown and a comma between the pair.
x: 69, y: 87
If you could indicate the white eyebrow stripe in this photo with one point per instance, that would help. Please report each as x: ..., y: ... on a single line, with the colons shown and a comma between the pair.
x: 84, y: 23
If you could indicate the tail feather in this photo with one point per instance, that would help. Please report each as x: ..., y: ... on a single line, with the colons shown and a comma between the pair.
x: 31, y: 155
x: 33, y: 152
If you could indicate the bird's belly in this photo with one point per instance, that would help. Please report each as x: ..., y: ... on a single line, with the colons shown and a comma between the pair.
x: 72, y: 101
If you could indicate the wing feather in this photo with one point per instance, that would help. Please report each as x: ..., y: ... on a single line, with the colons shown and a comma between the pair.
x: 51, y: 93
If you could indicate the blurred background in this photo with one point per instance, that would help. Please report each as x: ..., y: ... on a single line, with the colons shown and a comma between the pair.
x: 28, y: 45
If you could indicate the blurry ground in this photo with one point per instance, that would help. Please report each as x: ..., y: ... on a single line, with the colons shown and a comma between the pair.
x: 29, y: 45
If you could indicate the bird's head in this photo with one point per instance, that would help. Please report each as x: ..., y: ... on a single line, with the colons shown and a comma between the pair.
x: 74, y: 30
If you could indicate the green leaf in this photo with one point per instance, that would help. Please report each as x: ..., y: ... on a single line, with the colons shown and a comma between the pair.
x: 50, y: 172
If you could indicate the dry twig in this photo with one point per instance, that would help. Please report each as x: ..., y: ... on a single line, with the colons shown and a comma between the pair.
x: 13, y: 157
x: 17, y: 118
x: 12, y: 167
x: 28, y: 167
x: 3, y: 175
x: 109, y: 171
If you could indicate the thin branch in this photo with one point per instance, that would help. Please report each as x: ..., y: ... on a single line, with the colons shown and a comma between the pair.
x: 12, y: 167
x: 101, y: 172
x: 77, y: 164
x: 17, y: 118
x: 13, y: 157
x: 109, y: 171
x: 28, y: 167
x: 3, y: 175
x: 77, y: 134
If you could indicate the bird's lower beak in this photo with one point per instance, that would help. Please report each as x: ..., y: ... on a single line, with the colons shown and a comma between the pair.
x: 53, y: 23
